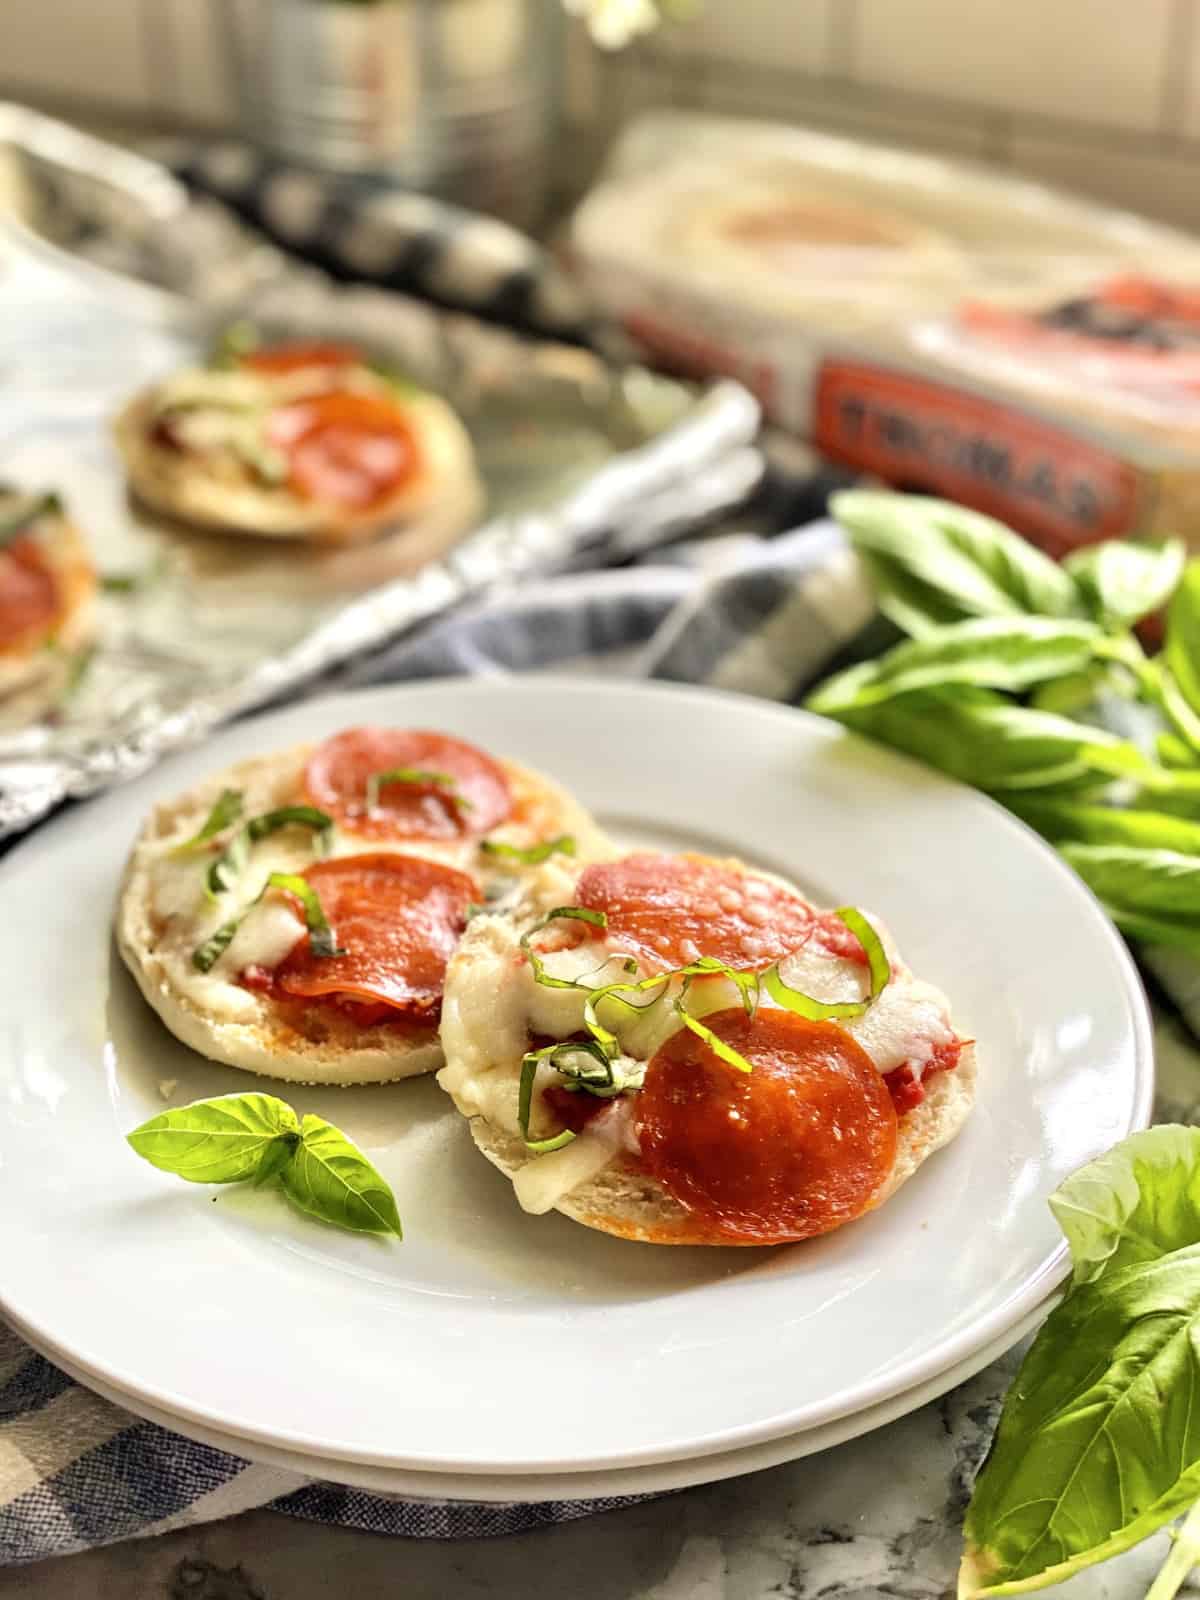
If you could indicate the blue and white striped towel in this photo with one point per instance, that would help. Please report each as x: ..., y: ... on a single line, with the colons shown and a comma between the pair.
x: 761, y: 617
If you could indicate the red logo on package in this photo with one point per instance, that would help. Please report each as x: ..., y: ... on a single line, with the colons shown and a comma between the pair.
x: 1053, y: 486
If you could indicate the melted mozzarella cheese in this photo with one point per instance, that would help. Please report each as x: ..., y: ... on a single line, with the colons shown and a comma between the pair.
x: 493, y: 1004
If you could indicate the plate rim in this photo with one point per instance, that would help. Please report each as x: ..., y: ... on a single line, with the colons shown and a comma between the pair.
x: 949, y: 1351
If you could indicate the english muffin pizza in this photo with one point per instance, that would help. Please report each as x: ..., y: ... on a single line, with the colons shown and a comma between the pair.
x: 681, y: 1050
x: 301, y: 440
x: 294, y: 915
x: 47, y: 594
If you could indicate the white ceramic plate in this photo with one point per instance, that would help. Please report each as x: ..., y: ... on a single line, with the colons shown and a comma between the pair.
x: 656, y: 1477
x: 494, y: 1343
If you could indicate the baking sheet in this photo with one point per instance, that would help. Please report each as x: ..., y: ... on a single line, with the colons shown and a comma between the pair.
x: 578, y: 460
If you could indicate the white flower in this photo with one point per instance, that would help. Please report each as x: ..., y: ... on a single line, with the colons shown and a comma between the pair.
x: 613, y: 23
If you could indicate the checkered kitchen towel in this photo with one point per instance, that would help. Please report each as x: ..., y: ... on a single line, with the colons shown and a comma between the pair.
x: 761, y: 617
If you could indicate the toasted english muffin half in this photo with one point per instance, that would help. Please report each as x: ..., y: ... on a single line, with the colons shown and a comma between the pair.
x: 266, y: 1001
x: 47, y: 605
x: 495, y: 1010
x: 229, y: 449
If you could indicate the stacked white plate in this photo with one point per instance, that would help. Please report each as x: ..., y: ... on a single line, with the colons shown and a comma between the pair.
x: 495, y: 1356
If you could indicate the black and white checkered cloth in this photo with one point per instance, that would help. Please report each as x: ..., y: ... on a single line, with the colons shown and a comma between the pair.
x: 762, y: 617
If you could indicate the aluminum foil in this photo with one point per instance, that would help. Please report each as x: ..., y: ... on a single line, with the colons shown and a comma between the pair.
x: 110, y: 276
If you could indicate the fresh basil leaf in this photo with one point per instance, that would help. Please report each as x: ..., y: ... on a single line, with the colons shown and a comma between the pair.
x: 989, y: 653
x: 215, y: 1141
x: 529, y: 1065
x: 1153, y: 895
x: 804, y: 1005
x: 995, y: 745
x: 1062, y: 821
x: 595, y: 919
x: 330, y: 1178
x: 229, y: 866
x: 534, y: 855
x: 322, y: 939
x: 420, y: 777
x: 274, y: 1158
x: 1137, y: 1202
x: 16, y: 519
x: 1099, y: 1440
x: 1086, y: 692
x: 915, y: 607
x: 1122, y: 581
x: 1174, y: 751
x: 974, y: 565
x: 1184, y: 718
x: 1182, y: 651
x: 226, y: 810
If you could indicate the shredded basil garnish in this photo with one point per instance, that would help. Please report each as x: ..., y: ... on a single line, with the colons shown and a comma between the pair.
x: 230, y: 864
x: 227, y: 809
x: 803, y: 1005
x: 603, y: 1045
x: 418, y: 776
x: 16, y: 519
x: 535, y: 854
x: 595, y: 919
x: 323, y: 941
x: 702, y: 1031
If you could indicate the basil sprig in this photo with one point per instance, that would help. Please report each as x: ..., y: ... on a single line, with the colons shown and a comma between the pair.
x: 323, y: 940
x: 1098, y: 1444
x: 1019, y: 677
x: 231, y: 863
x: 533, y: 855
x: 603, y: 1046
x: 421, y: 777
x: 255, y: 1137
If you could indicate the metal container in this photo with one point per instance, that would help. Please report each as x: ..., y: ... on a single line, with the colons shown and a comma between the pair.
x: 453, y: 97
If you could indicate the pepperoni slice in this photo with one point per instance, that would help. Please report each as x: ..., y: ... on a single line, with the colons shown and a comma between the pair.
x: 298, y: 355
x: 29, y: 599
x: 350, y: 450
x: 339, y: 771
x: 398, y: 918
x: 667, y: 910
x: 794, y: 1148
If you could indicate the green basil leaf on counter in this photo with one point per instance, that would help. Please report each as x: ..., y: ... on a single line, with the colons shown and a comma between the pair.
x: 1153, y: 895
x: 330, y: 1178
x: 974, y: 565
x: 226, y: 810
x: 1010, y: 654
x: 1137, y: 1202
x: 1122, y: 581
x: 1099, y: 1441
x: 915, y: 607
x: 1062, y: 821
x: 995, y: 745
x: 1182, y: 651
x: 1174, y: 751
x: 215, y: 1141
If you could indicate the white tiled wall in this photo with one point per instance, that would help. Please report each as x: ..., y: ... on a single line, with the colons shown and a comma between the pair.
x: 1103, y: 95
